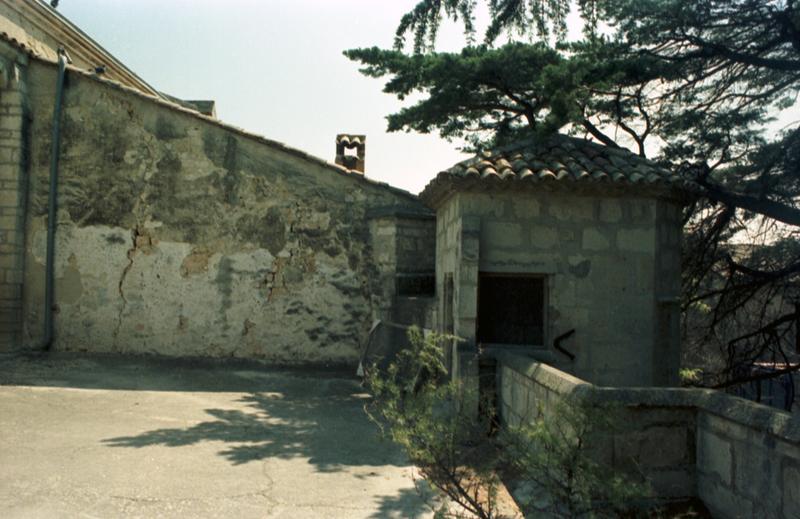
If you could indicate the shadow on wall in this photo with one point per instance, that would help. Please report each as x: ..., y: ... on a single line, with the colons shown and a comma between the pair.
x: 114, y: 371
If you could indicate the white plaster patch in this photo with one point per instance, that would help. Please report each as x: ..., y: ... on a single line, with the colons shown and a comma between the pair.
x: 610, y: 211
x: 479, y: 204
x: 543, y: 237
x: 636, y: 240
x: 594, y: 240
x: 526, y: 208
x: 500, y: 234
x: 90, y: 260
x: 258, y: 260
x: 572, y: 210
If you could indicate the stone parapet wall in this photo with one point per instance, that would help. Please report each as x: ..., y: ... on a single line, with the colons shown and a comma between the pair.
x: 748, y: 459
x: 12, y: 202
x: 740, y: 458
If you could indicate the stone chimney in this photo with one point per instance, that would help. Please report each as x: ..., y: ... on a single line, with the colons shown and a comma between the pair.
x: 347, y: 141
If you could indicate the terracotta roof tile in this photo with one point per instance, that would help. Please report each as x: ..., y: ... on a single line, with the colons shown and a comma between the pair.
x: 559, y: 159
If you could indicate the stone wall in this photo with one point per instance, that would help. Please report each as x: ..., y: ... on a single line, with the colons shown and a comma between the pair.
x: 741, y: 458
x: 747, y: 466
x: 667, y: 291
x: 457, y: 248
x: 12, y: 196
x: 178, y: 235
x: 611, y: 263
x: 404, y: 247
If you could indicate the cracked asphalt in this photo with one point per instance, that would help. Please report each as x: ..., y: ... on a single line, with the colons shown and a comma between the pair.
x: 109, y: 436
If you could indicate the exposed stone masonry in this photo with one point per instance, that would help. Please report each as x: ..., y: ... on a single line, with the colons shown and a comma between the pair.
x: 178, y: 235
x: 12, y: 202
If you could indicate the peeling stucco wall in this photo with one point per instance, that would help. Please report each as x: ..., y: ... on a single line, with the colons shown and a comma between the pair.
x: 179, y: 236
x: 612, y: 267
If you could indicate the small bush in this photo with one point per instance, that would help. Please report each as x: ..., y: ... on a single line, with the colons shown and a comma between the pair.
x: 419, y: 409
x: 551, y: 456
x: 434, y: 420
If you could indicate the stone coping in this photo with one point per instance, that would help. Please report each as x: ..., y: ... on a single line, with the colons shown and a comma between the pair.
x: 400, y: 213
x: 780, y: 424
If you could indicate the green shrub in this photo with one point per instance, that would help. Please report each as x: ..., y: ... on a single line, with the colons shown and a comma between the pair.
x: 552, y: 457
x: 434, y: 420
x: 419, y: 409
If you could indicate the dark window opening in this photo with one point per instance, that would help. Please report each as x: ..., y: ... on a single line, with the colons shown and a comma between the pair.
x: 416, y: 285
x: 511, y: 309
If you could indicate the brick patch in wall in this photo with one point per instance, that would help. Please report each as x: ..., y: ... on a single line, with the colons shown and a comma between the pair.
x: 12, y: 235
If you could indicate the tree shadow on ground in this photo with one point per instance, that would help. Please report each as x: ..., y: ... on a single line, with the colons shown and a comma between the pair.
x: 321, y: 419
x: 408, y: 502
x: 257, y: 413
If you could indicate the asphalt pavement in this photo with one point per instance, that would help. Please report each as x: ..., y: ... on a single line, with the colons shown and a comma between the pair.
x: 112, y: 436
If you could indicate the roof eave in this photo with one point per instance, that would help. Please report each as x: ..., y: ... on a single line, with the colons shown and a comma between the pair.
x: 441, y: 188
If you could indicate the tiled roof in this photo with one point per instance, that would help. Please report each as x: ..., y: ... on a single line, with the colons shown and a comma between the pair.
x: 556, y: 161
x: 36, y: 28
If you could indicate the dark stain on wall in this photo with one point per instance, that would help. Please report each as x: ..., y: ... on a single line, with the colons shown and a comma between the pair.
x: 166, y: 130
x: 224, y: 282
x: 163, y: 186
x: 95, y: 185
x: 582, y: 269
x: 115, y: 239
x: 221, y: 149
x: 268, y: 230
x: 91, y: 202
x: 227, y: 182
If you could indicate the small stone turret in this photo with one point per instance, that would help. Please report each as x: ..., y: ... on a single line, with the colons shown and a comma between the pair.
x: 347, y: 141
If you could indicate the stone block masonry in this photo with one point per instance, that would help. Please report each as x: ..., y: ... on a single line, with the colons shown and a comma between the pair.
x: 740, y: 458
x: 403, y: 245
x: 12, y: 203
x: 599, y: 255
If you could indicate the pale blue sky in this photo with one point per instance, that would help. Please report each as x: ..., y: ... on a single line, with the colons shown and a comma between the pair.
x: 274, y: 67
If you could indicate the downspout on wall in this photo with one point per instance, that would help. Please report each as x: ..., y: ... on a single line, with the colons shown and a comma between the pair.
x: 52, y: 205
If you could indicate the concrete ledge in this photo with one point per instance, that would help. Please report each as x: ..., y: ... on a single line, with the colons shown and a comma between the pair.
x: 421, y: 213
x: 543, y: 374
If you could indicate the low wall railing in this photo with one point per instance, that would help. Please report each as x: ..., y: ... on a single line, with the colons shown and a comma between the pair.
x: 742, y: 459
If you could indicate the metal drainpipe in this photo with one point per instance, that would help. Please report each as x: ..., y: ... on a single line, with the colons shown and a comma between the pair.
x: 51, y: 204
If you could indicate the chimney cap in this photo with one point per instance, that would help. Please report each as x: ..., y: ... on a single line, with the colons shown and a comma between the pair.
x: 350, y: 141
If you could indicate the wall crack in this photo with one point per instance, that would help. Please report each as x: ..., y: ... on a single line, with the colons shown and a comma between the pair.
x: 135, y: 241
